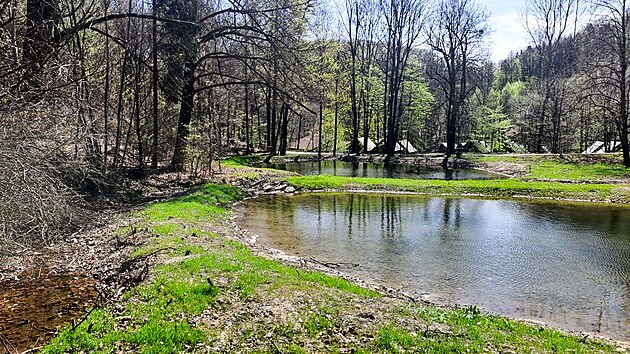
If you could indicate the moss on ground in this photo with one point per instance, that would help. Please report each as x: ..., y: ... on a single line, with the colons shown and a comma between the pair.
x: 209, y: 293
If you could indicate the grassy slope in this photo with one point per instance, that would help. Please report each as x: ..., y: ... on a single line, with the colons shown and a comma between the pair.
x: 211, y: 294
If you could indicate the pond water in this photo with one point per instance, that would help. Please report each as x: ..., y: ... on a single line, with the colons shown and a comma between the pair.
x: 364, y: 169
x: 565, y: 264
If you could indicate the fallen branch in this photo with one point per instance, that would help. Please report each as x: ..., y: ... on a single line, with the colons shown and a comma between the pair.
x: 32, y: 350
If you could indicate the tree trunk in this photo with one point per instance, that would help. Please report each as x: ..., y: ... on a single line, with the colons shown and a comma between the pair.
x: 185, y: 116
x: 42, y: 19
x: 154, y: 88
x: 284, y: 131
x: 248, y: 143
x: 336, y: 116
x: 106, y: 96
x: 321, y: 123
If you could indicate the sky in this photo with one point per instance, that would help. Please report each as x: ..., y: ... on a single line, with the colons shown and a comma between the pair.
x: 508, y: 33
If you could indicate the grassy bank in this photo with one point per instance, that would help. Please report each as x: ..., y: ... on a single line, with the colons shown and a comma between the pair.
x: 571, y: 177
x: 573, y: 167
x: 208, y: 293
x: 492, y: 188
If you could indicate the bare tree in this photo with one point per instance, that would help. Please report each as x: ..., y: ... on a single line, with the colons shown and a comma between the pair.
x: 548, y: 23
x: 456, y: 33
x: 609, y: 65
x: 404, y: 21
x: 355, y: 20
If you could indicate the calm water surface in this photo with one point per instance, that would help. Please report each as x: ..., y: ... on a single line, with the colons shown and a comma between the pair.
x: 565, y: 264
x: 361, y: 169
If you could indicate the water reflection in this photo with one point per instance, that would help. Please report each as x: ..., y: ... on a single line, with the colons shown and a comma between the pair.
x: 565, y: 264
x: 363, y: 169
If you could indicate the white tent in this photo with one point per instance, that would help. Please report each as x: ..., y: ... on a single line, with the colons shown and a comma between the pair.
x: 599, y: 147
x: 595, y: 148
x: 405, y: 145
x: 370, y: 144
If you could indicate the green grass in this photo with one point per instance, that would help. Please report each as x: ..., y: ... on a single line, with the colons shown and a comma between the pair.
x: 319, y: 323
x: 483, y: 333
x: 151, y: 320
x: 153, y: 309
x: 492, y: 188
x: 566, y: 168
x: 201, y: 267
x: 206, y: 203
x: 240, y: 161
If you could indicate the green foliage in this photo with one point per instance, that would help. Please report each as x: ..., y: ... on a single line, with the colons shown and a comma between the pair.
x: 418, y: 103
x: 512, y: 89
x: 492, y: 123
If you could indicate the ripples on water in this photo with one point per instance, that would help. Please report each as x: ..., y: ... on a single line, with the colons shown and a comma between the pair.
x: 565, y: 264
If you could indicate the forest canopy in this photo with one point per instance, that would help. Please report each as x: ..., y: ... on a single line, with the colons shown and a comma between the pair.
x: 94, y: 87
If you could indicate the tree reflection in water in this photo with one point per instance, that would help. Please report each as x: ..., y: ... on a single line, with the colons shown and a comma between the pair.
x: 562, y: 263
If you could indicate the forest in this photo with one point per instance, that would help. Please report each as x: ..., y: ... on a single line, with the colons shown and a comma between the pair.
x: 92, y: 91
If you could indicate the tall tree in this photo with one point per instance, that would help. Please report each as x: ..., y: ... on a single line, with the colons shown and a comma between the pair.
x: 404, y: 20
x: 354, y: 23
x: 456, y: 33
x: 609, y: 69
x: 549, y: 23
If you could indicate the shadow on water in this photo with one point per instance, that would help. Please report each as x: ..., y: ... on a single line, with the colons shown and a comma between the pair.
x: 565, y: 264
x: 365, y: 169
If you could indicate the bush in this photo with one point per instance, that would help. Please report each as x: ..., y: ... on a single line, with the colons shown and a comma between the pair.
x: 35, y: 203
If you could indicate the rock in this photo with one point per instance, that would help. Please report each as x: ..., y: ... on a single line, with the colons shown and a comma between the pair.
x: 289, y: 190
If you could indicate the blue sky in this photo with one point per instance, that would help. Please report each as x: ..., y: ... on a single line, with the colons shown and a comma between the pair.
x: 508, y: 33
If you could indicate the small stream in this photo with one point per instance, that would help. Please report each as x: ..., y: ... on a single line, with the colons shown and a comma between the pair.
x: 565, y: 264
x: 33, y: 309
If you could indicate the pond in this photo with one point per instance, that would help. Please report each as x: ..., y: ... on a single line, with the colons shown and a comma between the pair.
x: 564, y: 264
x: 365, y: 169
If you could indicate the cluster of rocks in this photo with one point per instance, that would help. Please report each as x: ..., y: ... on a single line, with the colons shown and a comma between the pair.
x: 263, y: 185
x: 277, y: 188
